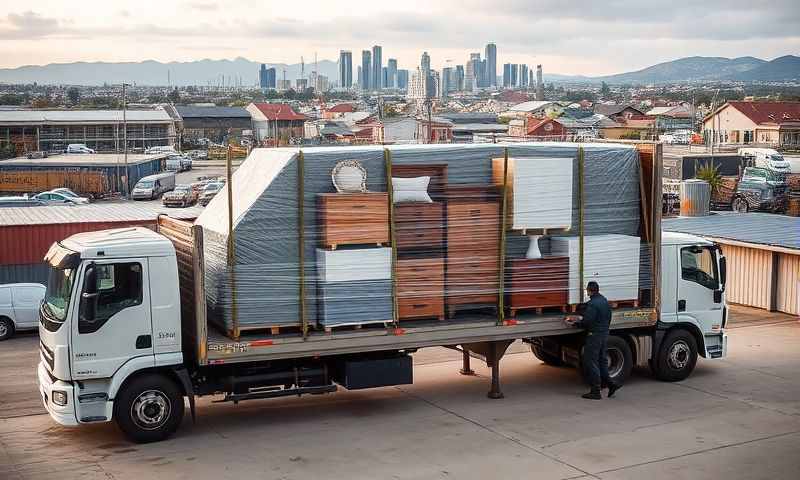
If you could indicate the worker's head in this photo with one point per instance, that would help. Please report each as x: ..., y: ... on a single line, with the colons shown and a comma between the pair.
x: 592, y: 288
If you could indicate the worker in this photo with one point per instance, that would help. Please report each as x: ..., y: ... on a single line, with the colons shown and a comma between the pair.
x: 596, y: 319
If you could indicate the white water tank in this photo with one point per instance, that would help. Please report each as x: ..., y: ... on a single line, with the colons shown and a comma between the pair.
x: 695, y: 198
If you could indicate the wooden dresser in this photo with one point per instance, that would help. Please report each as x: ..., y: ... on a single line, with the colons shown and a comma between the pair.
x: 353, y: 218
x: 473, y: 238
x: 420, y: 287
x: 536, y: 283
x: 419, y: 226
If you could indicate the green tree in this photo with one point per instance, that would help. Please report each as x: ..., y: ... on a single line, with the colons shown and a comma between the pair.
x: 605, y: 90
x: 73, y: 95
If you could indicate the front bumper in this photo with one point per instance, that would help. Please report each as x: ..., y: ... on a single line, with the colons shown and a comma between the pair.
x: 65, y: 415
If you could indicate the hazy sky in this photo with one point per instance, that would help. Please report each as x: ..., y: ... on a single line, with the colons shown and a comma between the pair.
x: 571, y: 37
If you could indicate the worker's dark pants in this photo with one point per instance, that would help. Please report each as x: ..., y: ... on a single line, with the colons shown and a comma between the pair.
x: 595, y: 363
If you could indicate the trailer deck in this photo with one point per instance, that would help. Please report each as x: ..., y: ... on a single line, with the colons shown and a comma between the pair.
x: 468, y: 327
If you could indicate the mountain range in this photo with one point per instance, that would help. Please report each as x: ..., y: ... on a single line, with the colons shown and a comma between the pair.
x: 245, y: 72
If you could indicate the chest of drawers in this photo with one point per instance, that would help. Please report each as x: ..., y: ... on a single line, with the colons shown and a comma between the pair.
x: 353, y: 218
x: 420, y: 287
x: 419, y: 226
x: 536, y: 283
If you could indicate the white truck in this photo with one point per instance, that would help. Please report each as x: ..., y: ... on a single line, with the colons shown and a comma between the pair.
x: 767, y: 158
x: 124, y: 333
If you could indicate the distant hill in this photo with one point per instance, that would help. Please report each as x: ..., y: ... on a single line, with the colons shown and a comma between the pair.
x: 690, y: 69
x: 780, y: 69
x: 205, y: 72
x: 150, y: 72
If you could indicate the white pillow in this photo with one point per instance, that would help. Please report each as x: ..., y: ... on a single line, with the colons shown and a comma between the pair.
x: 411, y: 189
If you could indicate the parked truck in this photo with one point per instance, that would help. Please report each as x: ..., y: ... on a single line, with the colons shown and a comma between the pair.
x: 756, y: 189
x: 126, y: 334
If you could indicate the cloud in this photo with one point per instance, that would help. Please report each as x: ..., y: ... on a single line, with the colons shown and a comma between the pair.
x: 206, y: 6
x: 28, y: 25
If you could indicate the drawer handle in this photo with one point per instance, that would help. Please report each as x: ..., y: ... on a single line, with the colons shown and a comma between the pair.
x: 358, y: 206
x: 420, y: 305
x: 475, y: 212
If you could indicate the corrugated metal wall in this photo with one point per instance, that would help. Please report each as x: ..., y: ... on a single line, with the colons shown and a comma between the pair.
x: 27, y: 244
x: 749, y: 273
x: 789, y: 284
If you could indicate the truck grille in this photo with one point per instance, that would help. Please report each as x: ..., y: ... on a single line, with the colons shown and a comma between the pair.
x: 47, y: 355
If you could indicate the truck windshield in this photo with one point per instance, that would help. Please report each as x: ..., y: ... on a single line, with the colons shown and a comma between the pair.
x: 145, y: 184
x: 59, y: 289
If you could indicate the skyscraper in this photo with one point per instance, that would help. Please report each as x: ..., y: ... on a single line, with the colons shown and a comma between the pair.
x: 539, y: 83
x: 385, y: 76
x: 417, y: 86
x: 448, y: 81
x: 402, y: 79
x: 360, y: 78
x: 514, y: 75
x: 377, y: 65
x: 425, y: 62
x: 491, y: 64
x: 391, y: 65
x: 523, y: 75
x: 483, y: 79
x: 473, y: 71
x: 271, y: 78
x: 262, y: 77
x: 345, y: 69
x: 460, y: 78
x: 506, y: 75
x: 366, y: 70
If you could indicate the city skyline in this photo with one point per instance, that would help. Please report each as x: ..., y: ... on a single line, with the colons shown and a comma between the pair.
x: 632, y: 35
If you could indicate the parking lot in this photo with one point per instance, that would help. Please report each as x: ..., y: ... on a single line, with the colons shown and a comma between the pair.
x: 733, y: 418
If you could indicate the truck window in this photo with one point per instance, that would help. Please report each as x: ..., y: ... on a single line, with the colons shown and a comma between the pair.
x: 120, y: 287
x: 698, y: 265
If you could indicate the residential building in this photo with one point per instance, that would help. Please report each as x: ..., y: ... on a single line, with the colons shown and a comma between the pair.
x: 616, y: 112
x: 217, y: 124
x: 366, y: 70
x: 417, y: 86
x: 102, y: 130
x: 392, y: 73
x: 377, y: 67
x: 345, y: 69
x: 276, y: 123
x: 337, y: 111
x: 437, y: 130
x: 491, y: 64
x: 540, y: 128
x: 671, y: 118
x: 402, y: 79
x: 434, y: 85
x: 534, y: 108
x: 776, y: 124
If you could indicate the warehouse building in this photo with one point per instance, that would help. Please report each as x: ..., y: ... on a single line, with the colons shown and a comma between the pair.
x: 763, y: 252
x: 102, y: 130
x: 96, y: 175
x: 216, y: 124
x: 26, y: 233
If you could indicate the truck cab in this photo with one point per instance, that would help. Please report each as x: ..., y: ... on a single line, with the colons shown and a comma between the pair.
x: 111, y: 311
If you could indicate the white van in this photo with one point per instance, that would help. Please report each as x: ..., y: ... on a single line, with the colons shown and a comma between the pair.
x: 766, y: 158
x: 79, y: 148
x: 152, y: 186
x: 19, y: 307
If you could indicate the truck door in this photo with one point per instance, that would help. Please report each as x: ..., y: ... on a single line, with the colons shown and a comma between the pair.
x: 114, y: 323
x: 700, y: 298
x: 669, y: 284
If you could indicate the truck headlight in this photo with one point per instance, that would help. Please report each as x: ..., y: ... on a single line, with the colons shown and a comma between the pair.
x: 59, y: 397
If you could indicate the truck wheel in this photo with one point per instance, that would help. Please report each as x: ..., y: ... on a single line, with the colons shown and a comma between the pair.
x: 740, y: 205
x: 676, y: 357
x: 149, y: 409
x: 547, y: 358
x: 620, y: 359
x: 6, y: 328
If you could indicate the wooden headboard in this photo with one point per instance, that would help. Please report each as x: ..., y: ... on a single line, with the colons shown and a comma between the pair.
x: 437, y: 172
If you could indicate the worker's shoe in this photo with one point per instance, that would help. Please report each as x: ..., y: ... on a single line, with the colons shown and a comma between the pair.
x: 612, y: 389
x: 594, y: 394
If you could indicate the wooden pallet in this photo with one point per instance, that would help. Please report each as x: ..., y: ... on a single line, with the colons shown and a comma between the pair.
x: 512, y: 312
x: 349, y: 327
x: 270, y: 330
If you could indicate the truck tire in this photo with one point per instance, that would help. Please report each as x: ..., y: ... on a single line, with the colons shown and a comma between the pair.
x: 547, y: 358
x: 740, y: 205
x: 6, y: 328
x: 677, y: 356
x: 149, y: 408
x: 620, y: 359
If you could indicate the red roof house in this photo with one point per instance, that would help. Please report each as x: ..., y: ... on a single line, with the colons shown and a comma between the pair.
x: 767, y: 123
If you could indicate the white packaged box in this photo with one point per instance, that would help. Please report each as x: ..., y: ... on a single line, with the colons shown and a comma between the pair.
x: 347, y: 265
x: 610, y: 260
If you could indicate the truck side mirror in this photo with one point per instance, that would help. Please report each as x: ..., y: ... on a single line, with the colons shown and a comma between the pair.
x: 90, y: 294
x: 723, y: 272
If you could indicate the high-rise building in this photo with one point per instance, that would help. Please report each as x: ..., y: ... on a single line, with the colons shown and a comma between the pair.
x: 271, y: 77
x: 417, y: 85
x: 392, y: 76
x: 377, y: 66
x: 506, y: 75
x: 434, y: 85
x: 425, y: 62
x: 345, y: 69
x: 473, y: 71
x: 402, y: 79
x: 460, y: 78
x: 539, y: 83
x: 448, y: 81
x: 491, y: 64
x: 514, y: 75
x: 385, y: 76
x: 366, y: 70
x: 523, y: 75
x: 262, y: 77
x: 483, y: 80
x: 360, y: 79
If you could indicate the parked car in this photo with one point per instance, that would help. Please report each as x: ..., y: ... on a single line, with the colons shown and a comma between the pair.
x: 78, y: 148
x: 19, y: 307
x: 182, y: 196
x: 68, y: 192
x: 756, y: 189
x: 37, y: 154
x: 153, y: 186
x: 53, y: 197
x: 209, y: 192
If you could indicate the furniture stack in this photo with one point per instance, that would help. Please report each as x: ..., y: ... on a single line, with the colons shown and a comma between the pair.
x: 419, y: 239
x: 354, y: 283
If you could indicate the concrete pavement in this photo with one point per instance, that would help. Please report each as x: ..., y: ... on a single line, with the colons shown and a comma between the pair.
x: 734, y: 418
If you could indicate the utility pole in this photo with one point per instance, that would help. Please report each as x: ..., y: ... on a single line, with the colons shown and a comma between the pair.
x: 125, y: 137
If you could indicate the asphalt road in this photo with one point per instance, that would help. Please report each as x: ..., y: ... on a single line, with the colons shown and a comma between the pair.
x: 737, y: 418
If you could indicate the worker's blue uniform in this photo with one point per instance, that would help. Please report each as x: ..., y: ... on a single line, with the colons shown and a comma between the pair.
x: 596, y: 320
